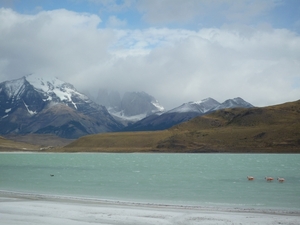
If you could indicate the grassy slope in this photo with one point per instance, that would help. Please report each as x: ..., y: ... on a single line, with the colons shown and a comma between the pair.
x: 269, y: 129
x: 119, y: 142
x: 9, y: 145
x: 42, y: 140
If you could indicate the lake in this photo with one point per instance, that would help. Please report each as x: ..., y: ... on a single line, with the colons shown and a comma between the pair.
x: 214, y: 180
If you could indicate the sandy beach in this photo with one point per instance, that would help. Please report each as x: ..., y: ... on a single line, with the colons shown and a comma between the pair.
x: 21, y: 209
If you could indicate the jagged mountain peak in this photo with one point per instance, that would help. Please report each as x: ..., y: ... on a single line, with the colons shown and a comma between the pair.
x: 38, y: 104
x: 55, y: 89
x: 202, y: 106
x: 44, y: 82
x: 210, y: 104
x: 234, y: 103
x: 241, y: 101
x: 184, y: 113
x: 50, y: 88
x: 49, y: 83
x: 207, y: 100
x: 130, y: 107
x: 135, y: 103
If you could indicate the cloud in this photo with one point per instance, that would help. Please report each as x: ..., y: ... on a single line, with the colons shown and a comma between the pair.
x: 256, y: 64
x: 259, y: 64
x: 113, y: 21
x: 196, y: 13
x: 60, y: 42
x: 171, y: 11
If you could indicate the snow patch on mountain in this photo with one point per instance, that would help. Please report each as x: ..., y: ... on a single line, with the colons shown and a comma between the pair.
x: 53, y: 86
x: 45, y: 84
x: 14, y: 88
x: 50, y: 85
x: 159, y: 108
x: 122, y: 117
x: 29, y: 111
x: 4, y: 116
x: 185, y: 107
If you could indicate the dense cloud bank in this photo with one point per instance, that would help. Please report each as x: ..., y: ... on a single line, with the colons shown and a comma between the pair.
x: 257, y: 63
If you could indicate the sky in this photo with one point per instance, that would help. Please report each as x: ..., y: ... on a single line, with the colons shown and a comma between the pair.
x: 175, y: 50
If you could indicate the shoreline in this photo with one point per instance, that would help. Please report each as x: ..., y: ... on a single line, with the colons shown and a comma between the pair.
x: 34, y: 208
x: 145, y: 152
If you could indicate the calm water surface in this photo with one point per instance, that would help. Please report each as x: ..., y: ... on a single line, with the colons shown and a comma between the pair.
x: 188, y: 179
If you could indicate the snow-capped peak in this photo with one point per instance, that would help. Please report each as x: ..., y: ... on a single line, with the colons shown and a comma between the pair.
x: 39, y: 104
x: 202, y: 106
x: 209, y: 104
x: 234, y: 103
x: 52, y: 85
x: 44, y: 84
x: 204, y: 101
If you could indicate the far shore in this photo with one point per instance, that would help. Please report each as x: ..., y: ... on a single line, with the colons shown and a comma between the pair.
x: 143, y: 150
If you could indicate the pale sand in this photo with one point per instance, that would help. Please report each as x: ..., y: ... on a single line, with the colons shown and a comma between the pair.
x: 28, y: 209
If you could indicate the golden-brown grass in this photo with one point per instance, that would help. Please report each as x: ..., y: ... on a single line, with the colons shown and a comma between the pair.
x: 268, y: 129
x: 119, y: 141
x: 9, y: 145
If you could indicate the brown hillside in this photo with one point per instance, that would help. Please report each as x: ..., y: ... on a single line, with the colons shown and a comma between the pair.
x: 9, y: 145
x: 119, y: 142
x: 267, y: 129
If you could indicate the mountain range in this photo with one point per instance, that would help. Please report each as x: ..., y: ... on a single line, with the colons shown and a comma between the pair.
x: 184, y: 113
x: 46, y: 105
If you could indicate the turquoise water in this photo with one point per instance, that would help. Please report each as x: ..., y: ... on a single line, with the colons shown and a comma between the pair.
x: 185, y: 179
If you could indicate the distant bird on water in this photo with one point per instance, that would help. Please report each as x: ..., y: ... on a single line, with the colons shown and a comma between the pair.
x: 250, y: 178
x: 51, y: 175
x: 269, y: 178
x: 281, y: 179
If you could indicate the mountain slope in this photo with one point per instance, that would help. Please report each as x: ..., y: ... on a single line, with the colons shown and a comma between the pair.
x: 184, y: 113
x: 267, y: 129
x: 34, y: 104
